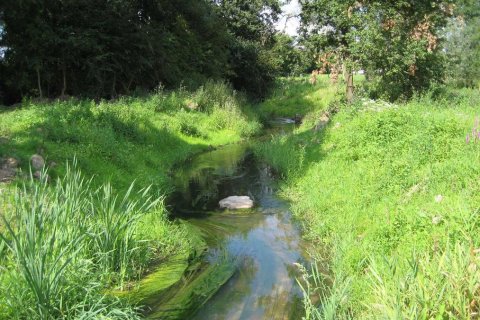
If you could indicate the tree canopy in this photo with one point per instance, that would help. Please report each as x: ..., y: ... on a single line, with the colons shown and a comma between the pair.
x: 397, y: 43
x: 106, y: 48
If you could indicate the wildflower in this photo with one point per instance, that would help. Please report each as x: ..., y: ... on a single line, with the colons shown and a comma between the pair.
x: 438, y: 198
x: 467, y: 140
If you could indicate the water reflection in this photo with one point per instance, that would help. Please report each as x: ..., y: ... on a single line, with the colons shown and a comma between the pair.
x: 265, y: 239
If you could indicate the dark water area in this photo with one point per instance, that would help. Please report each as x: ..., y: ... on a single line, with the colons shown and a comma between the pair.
x: 264, y: 240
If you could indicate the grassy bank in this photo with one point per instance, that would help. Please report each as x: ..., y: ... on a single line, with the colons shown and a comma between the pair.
x: 390, y: 194
x: 128, y: 139
x: 65, y: 243
x: 295, y: 96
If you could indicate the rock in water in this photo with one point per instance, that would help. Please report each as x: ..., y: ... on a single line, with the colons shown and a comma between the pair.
x: 236, y: 202
x: 37, y: 162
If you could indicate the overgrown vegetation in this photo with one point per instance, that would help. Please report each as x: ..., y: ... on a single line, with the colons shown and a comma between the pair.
x: 65, y: 243
x: 391, y: 192
x: 128, y: 139
x: 294, y: 96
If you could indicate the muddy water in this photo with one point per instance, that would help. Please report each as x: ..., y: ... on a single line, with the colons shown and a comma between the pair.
x: 264, y: 241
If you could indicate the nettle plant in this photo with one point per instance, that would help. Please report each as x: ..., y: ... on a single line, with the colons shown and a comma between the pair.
x: 474, y: 136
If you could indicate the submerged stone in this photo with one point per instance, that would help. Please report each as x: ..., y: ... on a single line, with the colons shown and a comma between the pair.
x: 236, y: 202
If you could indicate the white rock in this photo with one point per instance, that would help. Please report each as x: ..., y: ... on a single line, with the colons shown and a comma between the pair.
x: 236, y: 202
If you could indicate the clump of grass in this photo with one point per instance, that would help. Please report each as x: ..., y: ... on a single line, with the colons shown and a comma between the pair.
x: 68, y: 243
x: 323, y: 298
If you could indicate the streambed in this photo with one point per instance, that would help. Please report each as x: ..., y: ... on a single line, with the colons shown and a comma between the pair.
x: 262, y: 244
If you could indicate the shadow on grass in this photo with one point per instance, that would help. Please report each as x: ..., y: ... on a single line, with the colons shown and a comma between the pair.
x: 112, y: 144
x: 293, y: 154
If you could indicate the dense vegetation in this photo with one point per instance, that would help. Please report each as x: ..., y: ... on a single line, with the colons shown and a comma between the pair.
x: 66, y: 242
x: 83, y: 48
x: 390, y: 191
x: 113, y: 94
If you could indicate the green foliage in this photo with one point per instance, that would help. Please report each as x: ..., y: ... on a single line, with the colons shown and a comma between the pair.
x: 64, y: 245
x: 390, y: 194
x: 398, y: 44
x: 462, y: 47
x: 251, y: 25
x: 58, y: 253
x: 102, y: 50
x: 82, y: 48
x: 296, y: 96
x: 289, y: 58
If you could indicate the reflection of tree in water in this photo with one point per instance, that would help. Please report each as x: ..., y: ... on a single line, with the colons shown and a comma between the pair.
x: 201, y: 182
x: 264, y: 286
x: 220, y: 226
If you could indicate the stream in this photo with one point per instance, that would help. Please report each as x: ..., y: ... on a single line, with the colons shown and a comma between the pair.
x: 264, y: 242
x: 243, y: 263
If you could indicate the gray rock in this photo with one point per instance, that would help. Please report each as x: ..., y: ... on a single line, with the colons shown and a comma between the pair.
x: 7, y: 175
x: 37, y: 162
x: 9, y: 163
x: 236, y: 202
x: 37, y: 175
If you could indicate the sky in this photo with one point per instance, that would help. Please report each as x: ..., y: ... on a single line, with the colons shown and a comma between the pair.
x: 293, y: 23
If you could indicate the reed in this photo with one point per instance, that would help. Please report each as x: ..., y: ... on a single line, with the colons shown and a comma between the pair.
x: 69, y: 241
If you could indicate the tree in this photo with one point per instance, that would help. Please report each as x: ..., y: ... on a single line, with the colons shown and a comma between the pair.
x: 251, y: 24
x: 106, y: 48
x: 462, y: 47
x: 396, y: 42
x: 103, y: 49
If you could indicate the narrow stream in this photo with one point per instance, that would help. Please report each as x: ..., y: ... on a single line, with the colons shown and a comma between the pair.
x: 264, y: 240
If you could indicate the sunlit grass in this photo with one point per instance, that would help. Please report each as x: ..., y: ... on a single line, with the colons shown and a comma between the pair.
x: 391, y: 192
x: 128, y: 139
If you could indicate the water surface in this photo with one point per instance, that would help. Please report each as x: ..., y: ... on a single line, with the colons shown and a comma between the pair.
x: 264, y: 240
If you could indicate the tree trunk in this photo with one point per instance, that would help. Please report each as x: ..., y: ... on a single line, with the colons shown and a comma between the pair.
x: 345, y: 72
x: 350, y: 86
x: 64, y: 89
x: 114, y: 84
x: 39, y: 83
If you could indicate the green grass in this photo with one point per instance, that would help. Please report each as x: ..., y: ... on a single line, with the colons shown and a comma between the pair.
x: 129, y: 139
x: 65, y: 244
x: 390, y: 194
x: 296, y: 96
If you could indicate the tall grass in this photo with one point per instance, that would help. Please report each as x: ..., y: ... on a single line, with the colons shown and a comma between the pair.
x: 67, y: 244
x: 63, y: 244
x: 392, y: 191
